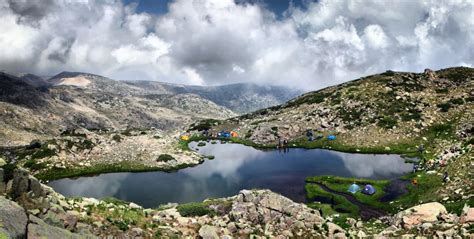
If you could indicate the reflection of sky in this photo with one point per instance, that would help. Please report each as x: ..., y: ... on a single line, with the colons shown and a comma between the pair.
x: 96, y: 186
x: 234, y: 168
x: 230, y: 158
x: 369, y: 165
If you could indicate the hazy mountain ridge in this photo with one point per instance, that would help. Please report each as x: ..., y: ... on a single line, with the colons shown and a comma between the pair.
x: 240, y: 97
x: 81, y: 100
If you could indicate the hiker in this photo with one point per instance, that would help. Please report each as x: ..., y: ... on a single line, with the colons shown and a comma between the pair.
x: 280, y: 142
x: 285, y: 143
x: 421, y: 148
x: 320, y: 212
x: 309, y: 134
x: 446, y: 177
x: 415, y: 167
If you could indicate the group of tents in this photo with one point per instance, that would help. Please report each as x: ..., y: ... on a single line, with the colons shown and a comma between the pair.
x: 368, y: 189
x: 311, y: 137
x: 227, y: 134
x: 222, y: 134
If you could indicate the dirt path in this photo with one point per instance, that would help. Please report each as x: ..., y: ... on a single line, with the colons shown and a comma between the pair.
x: 366, y: 211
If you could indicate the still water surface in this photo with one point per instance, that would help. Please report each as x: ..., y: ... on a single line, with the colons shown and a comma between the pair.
x: 234, y: 168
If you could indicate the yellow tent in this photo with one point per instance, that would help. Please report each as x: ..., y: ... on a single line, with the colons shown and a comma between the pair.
x: 184, y: 137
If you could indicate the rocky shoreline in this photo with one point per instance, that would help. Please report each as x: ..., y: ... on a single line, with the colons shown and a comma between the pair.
x: 33, y: 210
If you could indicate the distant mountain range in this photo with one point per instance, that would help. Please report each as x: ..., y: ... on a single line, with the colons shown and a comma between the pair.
x: 34, y: 107
x: 240, y: 98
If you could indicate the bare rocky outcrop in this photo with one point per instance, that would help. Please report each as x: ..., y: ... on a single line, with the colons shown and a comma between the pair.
x: 13, y: 219
x: 424, y: 213
x: 37, y: 228
x: 271, y: 210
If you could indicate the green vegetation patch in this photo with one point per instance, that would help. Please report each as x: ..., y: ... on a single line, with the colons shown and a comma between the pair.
x: 201, y: 144
x: 310, y: 98
x: 204, y: 124
x: 457, y: 75
x: 440, y: 131
x: 165, y: 158
x: 194, y: 209
x: 341, y: 184
x: 43, y: 153
x: 125, y: 166
x: 424, y: 191
x: 387, y: 122
x: 331, y: 202
x: 32, y: 164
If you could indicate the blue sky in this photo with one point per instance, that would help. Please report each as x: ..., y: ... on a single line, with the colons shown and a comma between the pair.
x: 159, y: 7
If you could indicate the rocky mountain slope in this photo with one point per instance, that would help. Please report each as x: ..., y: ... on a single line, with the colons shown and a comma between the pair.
x: 426, y: 115
x: 240, y: 98
x: 372, y: 111
x: 43, y: 109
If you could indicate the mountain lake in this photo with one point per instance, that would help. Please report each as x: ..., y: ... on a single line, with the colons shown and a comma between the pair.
x: 235, y: 167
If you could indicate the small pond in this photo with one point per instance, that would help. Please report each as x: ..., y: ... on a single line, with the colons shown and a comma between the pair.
x: 234, y: 168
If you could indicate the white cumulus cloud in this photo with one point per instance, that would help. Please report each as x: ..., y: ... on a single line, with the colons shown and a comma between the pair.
x: 209, y: 42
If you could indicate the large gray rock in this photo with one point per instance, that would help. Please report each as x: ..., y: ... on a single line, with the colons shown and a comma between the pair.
x: 35, y: 187
x: 23, y: 183
x: 208, y: 232
x: 13, y: 219
x: 20, y: 183
x: 417, y: 215
x: 266, y: 208
x: 39, y: 229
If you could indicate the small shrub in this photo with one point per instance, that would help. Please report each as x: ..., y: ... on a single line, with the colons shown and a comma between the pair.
x: 165, y: 158
x: 121, y: 225
x: 204, y: 124
x: 200, y: 144
x: 458, y: 101
x: 32, y: 164
x: 389, y: 73
x: 86, y: 144
x: 193, y: 209
x: 442, y: 90
x: 43, y: 153
x: 387, y: 122
x: 117, y: 138
x: 444, y: 107
x: 8, y: 171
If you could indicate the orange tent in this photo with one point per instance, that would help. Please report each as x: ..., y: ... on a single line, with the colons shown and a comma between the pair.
x: 233, y: 134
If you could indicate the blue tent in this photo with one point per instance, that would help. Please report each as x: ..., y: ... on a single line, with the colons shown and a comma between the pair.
x: 368, y: 189
x: 332, y: 137
x: 225, y: 134
x: 353, y: 188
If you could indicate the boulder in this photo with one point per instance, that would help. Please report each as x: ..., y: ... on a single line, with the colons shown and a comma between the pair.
x: 334, y: 229
x: 3, y: 162
x: 35, y: 187
x: 208, y: 232
x: 417, y: 215
x: 13, y: 219
x: 39, y: 229
x: 467, y: 215
x: 20, y: 183
x: 264, y: 206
